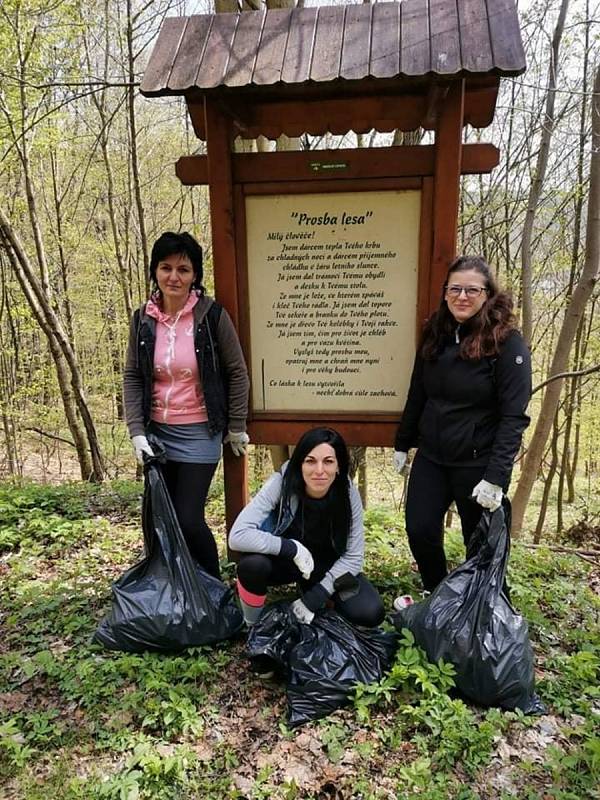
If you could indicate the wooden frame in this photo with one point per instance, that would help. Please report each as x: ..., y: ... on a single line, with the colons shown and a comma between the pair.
x: 429, y: 65
x: 218, y: 145
x: 270, y: 427
x: 434, y: 169
x: 377, y: 162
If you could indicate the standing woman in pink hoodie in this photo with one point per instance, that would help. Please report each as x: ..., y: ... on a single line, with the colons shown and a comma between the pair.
x: 186, y: 382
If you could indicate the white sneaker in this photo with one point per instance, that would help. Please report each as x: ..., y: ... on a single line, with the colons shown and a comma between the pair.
x: 402, y: 602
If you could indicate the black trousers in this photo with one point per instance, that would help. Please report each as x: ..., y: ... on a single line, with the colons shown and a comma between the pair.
x: 431, y: 490
x: 188, y: 486
x: 362, y: 606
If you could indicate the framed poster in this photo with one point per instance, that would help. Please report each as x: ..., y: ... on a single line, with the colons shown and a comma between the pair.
x: 332, y: 291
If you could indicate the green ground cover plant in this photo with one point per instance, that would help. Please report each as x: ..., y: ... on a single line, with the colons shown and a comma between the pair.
x: 78, y: 722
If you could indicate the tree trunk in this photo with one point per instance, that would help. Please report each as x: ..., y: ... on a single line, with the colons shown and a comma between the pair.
x: 79, y: 442
x: 135, y: 170
x: 548, y: 482
x: 507, y: 192
x: 64, y: 272
x: 570, y: 406
x: 574, y: 313
x: 539, y: 175
x: 67, y: 369
x: 363, y: 484
x: 578, y: 361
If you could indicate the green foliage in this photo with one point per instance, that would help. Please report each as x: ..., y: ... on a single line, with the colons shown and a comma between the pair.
x: 14, y: 752
x: 573, y: 682
x: 576, y: 772
x: 552, y: 593
x: 46, y: 519
x: 151, y: 772
x: 135, y: 720
x: 387, y: 554
x: 445, y: 729
x: 335, y: 738
x: 410, y: 674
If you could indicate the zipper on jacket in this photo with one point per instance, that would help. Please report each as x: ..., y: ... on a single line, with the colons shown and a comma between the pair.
x: 212, y: 346
x: 138, y: 334
x: 280, y: 513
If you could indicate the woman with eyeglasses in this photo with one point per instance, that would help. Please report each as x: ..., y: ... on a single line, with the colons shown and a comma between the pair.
x: 465, y: 412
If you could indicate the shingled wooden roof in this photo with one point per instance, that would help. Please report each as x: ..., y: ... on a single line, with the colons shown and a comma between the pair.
x: 335, y: 45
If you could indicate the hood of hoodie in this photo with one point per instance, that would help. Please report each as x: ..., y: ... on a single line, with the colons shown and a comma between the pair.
x: 154, y: 310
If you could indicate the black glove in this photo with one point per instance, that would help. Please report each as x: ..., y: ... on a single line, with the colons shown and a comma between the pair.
x: 346, y: 586
x: 315, y: 597
x: 288, y: 549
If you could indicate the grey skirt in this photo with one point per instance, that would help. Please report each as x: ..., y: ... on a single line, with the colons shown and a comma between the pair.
x: 191, y: 444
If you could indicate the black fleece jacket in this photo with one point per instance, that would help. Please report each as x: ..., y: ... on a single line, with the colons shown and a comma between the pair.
x: 461, y: 413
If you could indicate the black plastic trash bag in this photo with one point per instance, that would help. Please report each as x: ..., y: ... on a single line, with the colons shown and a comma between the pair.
x: 323, y: 661
x: 469, y: 622
x: 166, y: 602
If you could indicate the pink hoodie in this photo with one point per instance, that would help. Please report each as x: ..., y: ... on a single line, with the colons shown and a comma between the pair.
x: 177, y: 396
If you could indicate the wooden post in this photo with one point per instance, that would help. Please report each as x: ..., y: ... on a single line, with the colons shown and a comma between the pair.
x: 448, y: 158
x: 218, y: 147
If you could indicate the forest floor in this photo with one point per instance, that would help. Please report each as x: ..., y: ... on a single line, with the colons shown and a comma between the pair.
x: 79, y: 723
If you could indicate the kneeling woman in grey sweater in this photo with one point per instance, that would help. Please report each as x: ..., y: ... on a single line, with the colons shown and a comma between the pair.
x: 305, y: 526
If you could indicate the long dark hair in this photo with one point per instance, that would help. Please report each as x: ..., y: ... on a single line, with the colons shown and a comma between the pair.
x: 338, y: 494
x: 486, y: 330
x: 177, y: 244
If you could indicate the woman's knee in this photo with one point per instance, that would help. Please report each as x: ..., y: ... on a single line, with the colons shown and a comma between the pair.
x: 365, y: 608
x: 371, y: 615
x: 253, y: 567
x: 368, y: 615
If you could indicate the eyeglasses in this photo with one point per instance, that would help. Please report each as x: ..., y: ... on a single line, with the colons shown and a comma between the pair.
x: 471, y: 291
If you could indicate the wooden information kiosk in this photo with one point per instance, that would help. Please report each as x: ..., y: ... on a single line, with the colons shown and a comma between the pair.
x: 328, y: 261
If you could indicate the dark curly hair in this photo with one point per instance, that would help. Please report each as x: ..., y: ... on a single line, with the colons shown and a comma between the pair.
x: 171, y: 244
x: 485, y: 331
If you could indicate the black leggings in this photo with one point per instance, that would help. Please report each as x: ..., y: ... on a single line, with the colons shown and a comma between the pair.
x: 431, y: 490
x: 188, y: 486
x: 362, y: 606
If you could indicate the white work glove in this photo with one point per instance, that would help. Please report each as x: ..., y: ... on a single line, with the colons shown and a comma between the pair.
x: 239, y: 442
x: 303, y: 559
x: 302, y: 613
x: 399, y: 460
x: 141, y: 446
x: 488, y: 495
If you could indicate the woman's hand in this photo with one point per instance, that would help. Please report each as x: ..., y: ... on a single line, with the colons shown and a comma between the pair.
x: 399, y: 460
x: 239, y: 442
x: 302, y: 613
x: 488, y: 495
x: 303, y: 559
x: 141, y: 446
x: 315, y: 597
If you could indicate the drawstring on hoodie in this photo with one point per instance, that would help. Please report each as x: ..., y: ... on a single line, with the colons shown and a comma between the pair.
x: 170, y: 355
x: 171, y: 336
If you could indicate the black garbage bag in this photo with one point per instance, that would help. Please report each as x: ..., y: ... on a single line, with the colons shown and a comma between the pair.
x: 323, y: 661
x: 469, y: 621
x: 166, y: 602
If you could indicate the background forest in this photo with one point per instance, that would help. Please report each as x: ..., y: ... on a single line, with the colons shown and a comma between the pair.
x: 86, y: 184
x: 87, y: 174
